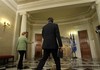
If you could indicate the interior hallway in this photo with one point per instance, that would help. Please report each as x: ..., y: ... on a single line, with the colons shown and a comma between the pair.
x: 79, y: 18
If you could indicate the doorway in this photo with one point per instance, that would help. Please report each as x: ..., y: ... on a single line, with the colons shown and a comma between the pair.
x: 38, y: 46
x: 84, y: 45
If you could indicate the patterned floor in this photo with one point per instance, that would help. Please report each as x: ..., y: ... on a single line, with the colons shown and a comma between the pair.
x: 76, y: 64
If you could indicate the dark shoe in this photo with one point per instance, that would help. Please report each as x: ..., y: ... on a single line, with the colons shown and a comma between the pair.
x: 26, y: 67
x: 19, y: 68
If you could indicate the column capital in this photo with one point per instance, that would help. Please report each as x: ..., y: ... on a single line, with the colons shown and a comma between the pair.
x: 23, y: 22
x: 97, y: 1
x: 23, y: 13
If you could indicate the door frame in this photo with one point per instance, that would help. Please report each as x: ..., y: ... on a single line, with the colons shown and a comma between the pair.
x: 88, y: 43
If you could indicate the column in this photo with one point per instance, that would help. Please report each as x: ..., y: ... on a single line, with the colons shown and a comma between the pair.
x: 98, y: 9
x: 23, y: 27
x: 23, y: 22
x: 98, y: 40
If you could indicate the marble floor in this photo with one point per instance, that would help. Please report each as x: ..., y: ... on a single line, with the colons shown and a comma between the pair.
x: 76, y: 64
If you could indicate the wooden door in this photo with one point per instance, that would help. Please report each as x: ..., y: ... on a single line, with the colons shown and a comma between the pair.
x: 84, y: 45
x: 38, y: 47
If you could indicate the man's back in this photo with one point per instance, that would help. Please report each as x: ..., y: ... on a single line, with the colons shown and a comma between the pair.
x: 50, y: 35
x: 52, y: 40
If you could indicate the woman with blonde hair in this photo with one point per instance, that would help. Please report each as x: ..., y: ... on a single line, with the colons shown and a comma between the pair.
x: 21, y: 47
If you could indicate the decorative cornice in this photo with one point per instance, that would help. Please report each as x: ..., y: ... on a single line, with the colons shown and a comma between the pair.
x: 11, y: 4
x: 68, y: 22
x: 63, y: 23
x: 80, y: 18
x: 85, y: 14
x: 97, y: 1
x: 44, y: 4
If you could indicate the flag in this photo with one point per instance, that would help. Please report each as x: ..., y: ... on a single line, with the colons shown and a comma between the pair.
x: 74, y: 45
x: 71, y: 40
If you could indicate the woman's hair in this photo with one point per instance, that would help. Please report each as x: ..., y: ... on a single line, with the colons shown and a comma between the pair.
x: 23, y: 33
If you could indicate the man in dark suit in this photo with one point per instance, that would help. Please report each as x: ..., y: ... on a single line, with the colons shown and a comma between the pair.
x: 51, y: 43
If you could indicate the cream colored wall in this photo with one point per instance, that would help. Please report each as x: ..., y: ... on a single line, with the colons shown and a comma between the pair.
x: 85, y: 25
x: 6, y: 37
x: 66, y: 29
x: 96, y: 37
x: 16, y: 35
x: 36, y: 29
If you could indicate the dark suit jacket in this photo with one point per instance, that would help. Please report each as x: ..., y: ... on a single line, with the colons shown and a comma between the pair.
x: 51, y: 36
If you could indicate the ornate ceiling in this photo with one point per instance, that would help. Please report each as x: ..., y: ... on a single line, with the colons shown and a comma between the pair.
x: 24, y: 1
x: 60, y: 14
x: 28, y: 1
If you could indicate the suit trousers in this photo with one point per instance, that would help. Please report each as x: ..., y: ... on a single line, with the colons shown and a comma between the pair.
x: 20, y: 63
x: 46, y: 54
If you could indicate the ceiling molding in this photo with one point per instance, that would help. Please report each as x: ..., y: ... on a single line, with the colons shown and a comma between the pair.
x: 57, y: 21
x: 63, y: 23
x: 11, y: 4
x: 19, y: 2
x: 81, y: 18
x: 97, y: 1
x: 76, y: 21
x: 44, y: 4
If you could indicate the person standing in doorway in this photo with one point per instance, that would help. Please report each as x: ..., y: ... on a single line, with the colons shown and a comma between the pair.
x: 21, y: 47
x: 51, y: 43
